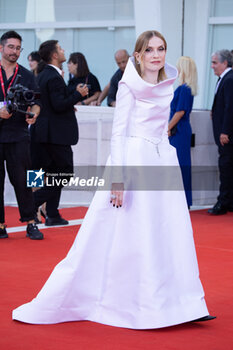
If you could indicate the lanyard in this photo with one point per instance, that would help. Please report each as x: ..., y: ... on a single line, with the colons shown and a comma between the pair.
x: 2, y: 82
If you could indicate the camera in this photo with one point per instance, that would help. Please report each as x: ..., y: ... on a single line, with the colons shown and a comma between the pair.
x: 19, y: 96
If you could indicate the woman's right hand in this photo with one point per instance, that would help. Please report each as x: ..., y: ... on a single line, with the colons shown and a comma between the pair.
x: 116, y: 197
x: 82, y: 89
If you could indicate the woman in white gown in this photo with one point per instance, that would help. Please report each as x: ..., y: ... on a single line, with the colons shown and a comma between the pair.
x: 133, y: 263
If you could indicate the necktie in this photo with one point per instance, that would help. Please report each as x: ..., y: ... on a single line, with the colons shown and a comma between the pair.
x: 217, y: 84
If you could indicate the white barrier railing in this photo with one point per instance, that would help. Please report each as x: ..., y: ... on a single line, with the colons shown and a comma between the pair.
x: 93, y: 148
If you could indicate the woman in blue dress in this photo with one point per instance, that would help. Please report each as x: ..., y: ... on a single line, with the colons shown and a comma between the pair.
x: 179, y: 128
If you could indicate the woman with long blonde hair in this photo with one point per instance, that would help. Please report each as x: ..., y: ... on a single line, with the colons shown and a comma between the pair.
x: 179, y: 128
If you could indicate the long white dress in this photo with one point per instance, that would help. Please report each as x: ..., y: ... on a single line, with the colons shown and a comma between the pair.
x: 134, y: 266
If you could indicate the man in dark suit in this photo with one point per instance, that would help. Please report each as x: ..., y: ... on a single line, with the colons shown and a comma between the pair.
x: 56, y: 129
x: 222, y: 116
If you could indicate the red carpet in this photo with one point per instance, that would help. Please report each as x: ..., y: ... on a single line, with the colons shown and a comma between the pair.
x: 26, y: 264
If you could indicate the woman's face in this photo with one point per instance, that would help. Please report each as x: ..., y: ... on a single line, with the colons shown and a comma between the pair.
x: 32, y: 64
x: 72, y: 67
x: 153, y: 58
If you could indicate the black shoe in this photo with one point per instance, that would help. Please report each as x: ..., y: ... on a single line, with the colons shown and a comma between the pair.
x: 230, y: 208
x: 205, y: 318
x: 218, y: 209
x: 33, y: 232
x: 55, y: 221
x: 3, y: 233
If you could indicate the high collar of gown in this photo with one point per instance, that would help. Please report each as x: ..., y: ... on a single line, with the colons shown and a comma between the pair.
x: 141, y: 88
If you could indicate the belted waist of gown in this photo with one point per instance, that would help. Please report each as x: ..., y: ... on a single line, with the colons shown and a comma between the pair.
x: 154, y: 140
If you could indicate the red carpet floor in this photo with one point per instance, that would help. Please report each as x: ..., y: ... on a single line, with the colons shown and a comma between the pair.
x: 25, y: 266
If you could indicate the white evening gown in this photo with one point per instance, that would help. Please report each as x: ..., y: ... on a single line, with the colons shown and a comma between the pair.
x: 134, y: 266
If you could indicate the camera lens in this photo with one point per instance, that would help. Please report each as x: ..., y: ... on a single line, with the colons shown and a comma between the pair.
x: 28, y: 95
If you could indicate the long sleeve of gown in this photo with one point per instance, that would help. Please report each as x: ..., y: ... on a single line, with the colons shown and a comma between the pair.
x: 124, y: 103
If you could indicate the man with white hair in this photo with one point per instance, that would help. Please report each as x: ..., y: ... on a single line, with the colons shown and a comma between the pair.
x: 222, y: 117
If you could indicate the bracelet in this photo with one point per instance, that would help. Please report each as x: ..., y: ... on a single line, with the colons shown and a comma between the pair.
x: 82, y: 103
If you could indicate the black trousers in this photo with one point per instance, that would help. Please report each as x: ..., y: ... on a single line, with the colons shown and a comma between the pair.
x: 17, y: 158
x: 59, y: 159
x: 225, y: 163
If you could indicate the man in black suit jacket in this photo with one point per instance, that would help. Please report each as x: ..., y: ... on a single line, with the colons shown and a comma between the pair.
x: 222, y: 116
x: 56, y: 128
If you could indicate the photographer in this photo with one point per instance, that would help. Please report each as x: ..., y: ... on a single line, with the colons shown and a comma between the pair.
x: 14, y: 135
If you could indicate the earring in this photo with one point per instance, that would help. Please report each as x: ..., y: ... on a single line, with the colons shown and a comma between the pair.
x: 138, y: 62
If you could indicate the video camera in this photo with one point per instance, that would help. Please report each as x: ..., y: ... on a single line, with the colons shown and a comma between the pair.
x: 19, y: 96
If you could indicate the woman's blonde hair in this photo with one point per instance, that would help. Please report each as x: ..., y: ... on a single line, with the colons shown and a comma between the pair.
x: 187, y: 73
x: 141, y: 46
